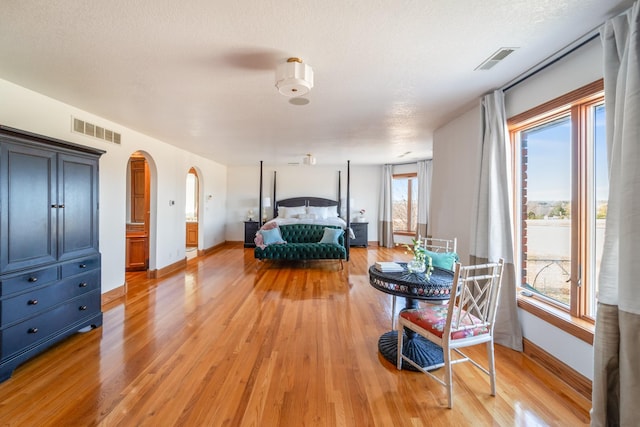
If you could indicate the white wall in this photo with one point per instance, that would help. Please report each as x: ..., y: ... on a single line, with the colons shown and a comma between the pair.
x: 24, y: 109
x: 456, y: 153
x: 581, y: 67
x: 295, y: 181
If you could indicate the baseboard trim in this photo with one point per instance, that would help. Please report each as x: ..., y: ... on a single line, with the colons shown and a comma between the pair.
x: 165, y: 271
x: 113, y: 294
x: 212, y: 249
x: 566, y: 373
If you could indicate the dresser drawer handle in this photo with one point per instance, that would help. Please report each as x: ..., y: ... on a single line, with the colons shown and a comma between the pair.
x: 32, y: 279
x: 83, y: 285
x: 33, y: 330
x: 33, y: 302
x: 82, y: 308
x: 83, y: 266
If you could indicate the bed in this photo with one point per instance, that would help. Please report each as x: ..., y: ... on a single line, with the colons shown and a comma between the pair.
x: 309, y: 210
x: 306, y: 210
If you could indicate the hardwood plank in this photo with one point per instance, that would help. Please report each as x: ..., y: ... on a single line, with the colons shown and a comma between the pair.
x: 232, y: 341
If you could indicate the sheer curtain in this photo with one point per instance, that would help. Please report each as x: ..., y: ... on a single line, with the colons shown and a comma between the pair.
x: 385, y: 229
x: 616, y: 377
x: 493, y: 237
x: 424, y: 196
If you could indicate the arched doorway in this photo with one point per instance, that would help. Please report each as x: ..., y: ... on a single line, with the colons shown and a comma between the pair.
x: 138, y: 213
x: 192, y: 202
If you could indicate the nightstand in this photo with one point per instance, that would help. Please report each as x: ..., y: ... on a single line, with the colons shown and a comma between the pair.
x: 361, y: 232
x: 250, y: 229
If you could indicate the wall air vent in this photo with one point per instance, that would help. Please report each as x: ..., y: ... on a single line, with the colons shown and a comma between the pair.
x: 89, y: 129
x: 493, y: 60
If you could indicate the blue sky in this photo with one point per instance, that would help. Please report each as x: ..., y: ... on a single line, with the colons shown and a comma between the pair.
x: 549, y: 165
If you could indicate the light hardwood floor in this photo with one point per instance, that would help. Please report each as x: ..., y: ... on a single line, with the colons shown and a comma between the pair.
x: 235, y: 342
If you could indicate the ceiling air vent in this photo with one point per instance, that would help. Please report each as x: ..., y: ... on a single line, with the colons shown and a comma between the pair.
x: 498, y: 56
x: 95, y: 131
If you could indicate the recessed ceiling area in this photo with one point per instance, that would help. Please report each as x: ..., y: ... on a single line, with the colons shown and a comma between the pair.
x: 201, y: 74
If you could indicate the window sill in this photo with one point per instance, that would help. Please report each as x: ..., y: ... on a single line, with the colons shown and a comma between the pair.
x: 579, y: 328
x: 405, y: 233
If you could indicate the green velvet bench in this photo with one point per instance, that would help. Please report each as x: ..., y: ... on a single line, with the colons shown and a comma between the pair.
x: 303, y: 242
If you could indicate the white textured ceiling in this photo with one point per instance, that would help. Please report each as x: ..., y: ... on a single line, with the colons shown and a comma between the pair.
x: 199, y: 74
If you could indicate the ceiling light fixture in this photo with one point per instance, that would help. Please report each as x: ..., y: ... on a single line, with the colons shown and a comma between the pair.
x: 309, y: 160
x: 293, y: 78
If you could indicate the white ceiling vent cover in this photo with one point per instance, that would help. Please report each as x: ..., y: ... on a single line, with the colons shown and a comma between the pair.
x: 493, y: 60
x: 95, y: 131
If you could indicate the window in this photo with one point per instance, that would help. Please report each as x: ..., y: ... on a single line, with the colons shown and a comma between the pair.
x: 405, y: 203
x: 561, y: 199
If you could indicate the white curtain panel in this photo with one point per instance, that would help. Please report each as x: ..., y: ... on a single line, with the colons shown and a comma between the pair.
x: 385, y: 210
x: 424, y: 196
x: 616, y: 379
x: 493, y: 232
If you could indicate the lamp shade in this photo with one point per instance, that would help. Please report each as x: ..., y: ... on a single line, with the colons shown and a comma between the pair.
x: 266, y: 202
x: 293, y: 78
x: 309, y: 159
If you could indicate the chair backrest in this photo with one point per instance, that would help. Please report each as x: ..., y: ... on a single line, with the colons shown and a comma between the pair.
x: 476, y: 302
x: 440, y: 245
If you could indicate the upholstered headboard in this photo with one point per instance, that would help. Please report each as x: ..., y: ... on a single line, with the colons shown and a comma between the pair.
x: 305, y: 201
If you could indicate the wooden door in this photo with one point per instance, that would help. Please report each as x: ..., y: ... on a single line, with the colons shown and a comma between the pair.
x: 138, y: 190
x: 137, y: 241
x: 192, y: 234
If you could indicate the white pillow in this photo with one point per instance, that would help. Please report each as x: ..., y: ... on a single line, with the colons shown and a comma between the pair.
x: 319, y: 211
x: 332, y: 212
x: 291, y: 211
x: 307, y: 216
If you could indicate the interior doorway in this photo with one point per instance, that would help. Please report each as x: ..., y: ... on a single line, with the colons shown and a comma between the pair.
x: 191, y: 213
x: 138, y: 213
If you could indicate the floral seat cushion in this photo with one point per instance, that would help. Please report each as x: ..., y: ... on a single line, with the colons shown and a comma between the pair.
x: 433, y: 319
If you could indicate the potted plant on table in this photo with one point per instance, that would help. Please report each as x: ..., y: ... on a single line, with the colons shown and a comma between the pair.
x: 421, y: 262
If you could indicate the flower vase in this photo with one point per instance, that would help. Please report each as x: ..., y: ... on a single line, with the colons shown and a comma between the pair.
x: 416, y: 266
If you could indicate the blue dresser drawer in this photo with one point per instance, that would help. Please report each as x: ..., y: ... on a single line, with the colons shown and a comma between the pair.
x: 80, y: 266
x: 27, y: 281
x: 30, y: 332
x: 33, y: 302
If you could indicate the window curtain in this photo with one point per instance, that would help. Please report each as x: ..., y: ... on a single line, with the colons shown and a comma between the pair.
x: 616, y: 377
x: 424, y: 197
x: 493, y: 238
x: 385, y: 226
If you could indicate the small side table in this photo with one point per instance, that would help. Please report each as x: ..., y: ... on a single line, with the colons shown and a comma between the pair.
x: 413, y: 287
x: 361, y: 233
x: 250, y: 230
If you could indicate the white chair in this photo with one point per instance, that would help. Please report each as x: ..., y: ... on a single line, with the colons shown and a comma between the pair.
x: 433, y: 245
x: 467, y: 320
x: 440, y: 245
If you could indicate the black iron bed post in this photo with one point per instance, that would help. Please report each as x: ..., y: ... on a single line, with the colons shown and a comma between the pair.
x: 339, y: 193
x: 260, y: 198
x: 275, y: 206
x: 348, y: 237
